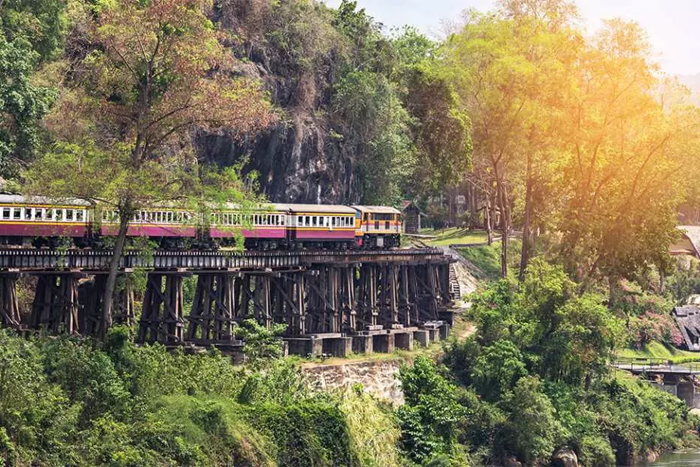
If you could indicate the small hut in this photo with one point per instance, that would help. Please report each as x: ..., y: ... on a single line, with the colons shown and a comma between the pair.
x: 689, y: 243
x: 688, y: 319
x: 411, y: 217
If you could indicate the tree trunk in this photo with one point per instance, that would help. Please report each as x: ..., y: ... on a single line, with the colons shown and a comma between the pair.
x: 527, y: 236
x: 473, y: 208
x: 505, y: 226
x: 488, y: 220
x: 107, y: 297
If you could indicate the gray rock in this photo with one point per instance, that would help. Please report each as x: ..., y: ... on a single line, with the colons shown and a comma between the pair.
x: 564, y: 457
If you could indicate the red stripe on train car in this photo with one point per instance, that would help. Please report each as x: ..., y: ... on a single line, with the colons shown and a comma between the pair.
x: 276, y: 233
x: 38, y: 230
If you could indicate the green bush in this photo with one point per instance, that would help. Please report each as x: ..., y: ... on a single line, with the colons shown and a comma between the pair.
x: 71, y: 401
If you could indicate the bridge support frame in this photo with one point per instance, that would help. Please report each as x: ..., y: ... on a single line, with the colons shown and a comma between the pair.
x: 55, y: 306
x: 9, y: 305
x: 162, y: 314
x: 212, y: 319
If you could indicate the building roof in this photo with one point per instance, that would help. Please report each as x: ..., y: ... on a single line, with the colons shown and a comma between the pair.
x: 688, y: 319
x: 692, y: 233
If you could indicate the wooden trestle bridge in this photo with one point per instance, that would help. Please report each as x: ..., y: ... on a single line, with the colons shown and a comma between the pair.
x: 332, y: 302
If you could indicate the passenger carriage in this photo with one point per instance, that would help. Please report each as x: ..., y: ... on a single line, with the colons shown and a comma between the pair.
x: 26, y: 220
x: 40, y: 222
x: 321, y: 226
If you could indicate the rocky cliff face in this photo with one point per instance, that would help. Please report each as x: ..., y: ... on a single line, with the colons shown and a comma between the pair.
x: 297, y: 161
x: 292, y: 49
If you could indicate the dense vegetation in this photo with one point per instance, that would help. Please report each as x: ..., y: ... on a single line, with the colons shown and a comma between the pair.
x: 577, y: 140
x: 533, y: 379
x: 66, y: 401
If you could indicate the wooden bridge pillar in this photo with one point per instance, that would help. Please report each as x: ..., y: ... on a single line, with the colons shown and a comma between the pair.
x: 346, y: 296
x: 322, y: 311
x: 254, y: 290
x: 162, y: 315
x: 444, y: 284
x: 55, y: 306
x: 367, y: 295
x: 388, y: 296
x: 9, y: 305
x: 90, y: 299
x: 427, y: 292
x: 213, y: 310
x: 406, y: 291
x: 289, y: 301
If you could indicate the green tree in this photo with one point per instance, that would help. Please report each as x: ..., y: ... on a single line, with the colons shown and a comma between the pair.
x: 430, y: 416
x: 159, y: 72
x: 531, y: 431
x: 31, y: 32
x: 498, y: 369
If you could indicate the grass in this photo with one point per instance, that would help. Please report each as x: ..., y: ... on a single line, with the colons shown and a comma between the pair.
x: 486, y: 259
x: 455, y: 236
x: 660, y: 350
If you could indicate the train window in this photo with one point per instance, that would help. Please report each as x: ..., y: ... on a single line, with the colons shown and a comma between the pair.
x: 314, y: 221
x: 17, y: 213
x: 69, y: 215
x: 79, y: 215
x: 28, y: 214
x: 5, y: 213
x: 49, y: 214
x: 58, y: 214
x: 39, y: 214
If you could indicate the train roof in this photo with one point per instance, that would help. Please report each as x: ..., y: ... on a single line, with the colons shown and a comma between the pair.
x: 43, y: 200
x: 377, y: 209
x: 315, y: 208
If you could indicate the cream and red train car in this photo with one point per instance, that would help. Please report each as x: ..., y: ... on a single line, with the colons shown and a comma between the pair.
x: 39, y: 222
x: 25, y: 220
x: 320, y: 226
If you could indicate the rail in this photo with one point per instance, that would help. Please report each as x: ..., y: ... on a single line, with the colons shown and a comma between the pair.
x: 656, y: 365
x: 26, y: 259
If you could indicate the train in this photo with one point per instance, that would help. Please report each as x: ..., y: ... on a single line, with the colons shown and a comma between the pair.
x: 40, y: 222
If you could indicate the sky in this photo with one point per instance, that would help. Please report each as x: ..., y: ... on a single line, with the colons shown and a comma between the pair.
x: 672, y: 25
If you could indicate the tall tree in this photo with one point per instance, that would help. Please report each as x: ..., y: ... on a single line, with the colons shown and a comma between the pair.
x: 156, y: 71
x: 625, y: 154
x: 507, y: 67
x: 31, y: 32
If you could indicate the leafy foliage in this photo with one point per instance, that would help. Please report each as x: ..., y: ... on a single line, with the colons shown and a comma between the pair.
x: 31, y: 33
x: 68, y: 401
x: 431, y: 413
x: 533, y: 379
